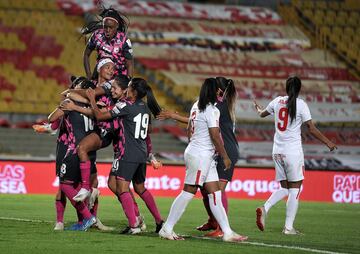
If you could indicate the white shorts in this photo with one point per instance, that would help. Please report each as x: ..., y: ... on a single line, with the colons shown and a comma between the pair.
x: 200, y: 168
x: 289, y: 167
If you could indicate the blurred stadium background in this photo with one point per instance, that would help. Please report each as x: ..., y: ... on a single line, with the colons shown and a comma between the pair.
x: 176, y: 45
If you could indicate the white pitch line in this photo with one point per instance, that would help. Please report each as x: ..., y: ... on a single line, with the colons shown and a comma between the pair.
x: 25, y: 220
x: 276, y: 246
x: 211, y: 239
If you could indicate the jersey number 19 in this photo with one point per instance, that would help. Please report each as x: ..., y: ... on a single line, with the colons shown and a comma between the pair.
x: 142, y: 125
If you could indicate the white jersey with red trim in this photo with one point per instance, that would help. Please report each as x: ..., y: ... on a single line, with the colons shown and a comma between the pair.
x: 200, y: 122
x: 287, y: 139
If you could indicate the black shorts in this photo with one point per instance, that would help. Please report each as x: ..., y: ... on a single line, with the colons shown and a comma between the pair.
x: 225, y: 175
x: 129, y: 171
x: 70, y: 168
x: 105, y: 136
x: 61, y: 149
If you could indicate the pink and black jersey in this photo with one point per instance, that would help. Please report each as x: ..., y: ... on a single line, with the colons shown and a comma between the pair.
x: 78, y: 126
x: 111, y: 125
x: 134, y: 119
x: 117, y: 49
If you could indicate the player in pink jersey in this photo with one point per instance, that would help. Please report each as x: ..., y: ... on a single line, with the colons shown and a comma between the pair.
x: 290, y: 113
x: 109, y: 39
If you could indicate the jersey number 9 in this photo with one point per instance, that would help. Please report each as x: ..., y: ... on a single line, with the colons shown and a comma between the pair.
x: 283, y: 119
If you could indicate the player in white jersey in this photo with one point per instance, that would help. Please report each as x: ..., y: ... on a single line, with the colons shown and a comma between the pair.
x: 204, y: 135
x: 290, y: 113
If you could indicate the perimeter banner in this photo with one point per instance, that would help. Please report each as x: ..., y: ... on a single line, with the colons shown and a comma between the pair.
x: 19, y: 177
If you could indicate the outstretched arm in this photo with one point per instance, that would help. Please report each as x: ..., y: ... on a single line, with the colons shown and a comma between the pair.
x: 166, y: 114
x: 318, y: 135
x: 69, y: 105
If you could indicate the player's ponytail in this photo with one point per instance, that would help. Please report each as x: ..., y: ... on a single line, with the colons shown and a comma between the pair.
x: 229, y: 94
x: 207, y: 93
x: 293, y: 86
x: 143, y: 89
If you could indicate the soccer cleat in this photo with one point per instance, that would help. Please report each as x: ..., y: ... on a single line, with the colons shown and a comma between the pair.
x: 82, y: 195
x: 131, y: 231
x: 159, y: 226
x: 141, y: 221
x: 87, y: 223
x: 234, y: 237
x: 101, y: 226
x: 169, y: 235
x: 74, y: 227
x: 217, y: 233
x: 59, y: 226
x: 209, y: 225
x: 44, y: 128
x: 94, y: 195
x: 260, y: 218
x: 292, y: 231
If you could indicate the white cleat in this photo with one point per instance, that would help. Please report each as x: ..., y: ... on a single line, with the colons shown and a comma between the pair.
x: 94, y: 195
x: 142, y: 224
x: 292, y: 231
x: 59, y: 226
x: 169, y: 235
x: 101, y: 226
x: 82, y: 195
x: 234, y: 237
x: 260, y: 218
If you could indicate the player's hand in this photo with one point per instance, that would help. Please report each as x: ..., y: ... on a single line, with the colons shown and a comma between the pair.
x: 257, y: 107
x: 227, y: 163
x: 164, y: 114
x: 90, y: 93
x: 67, y: 105
x: 156, y: 164
x: 331, y: 146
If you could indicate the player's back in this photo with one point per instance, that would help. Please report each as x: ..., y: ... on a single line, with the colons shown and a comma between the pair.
x: 135, y: 120
x: 78, y: 126
x: 287, y: 137
x: 201, y: 121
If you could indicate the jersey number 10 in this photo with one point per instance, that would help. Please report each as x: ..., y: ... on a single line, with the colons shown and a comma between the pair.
x: 142, y: 125
x: 283, y: 119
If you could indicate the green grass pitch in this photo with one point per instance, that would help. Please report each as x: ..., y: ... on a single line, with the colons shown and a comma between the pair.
x: 326, y: 227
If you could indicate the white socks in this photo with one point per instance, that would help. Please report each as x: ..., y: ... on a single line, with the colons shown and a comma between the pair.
x: 218, y: 211
x: 291, y: 207
x: 275, y: 197
x: 177, y: 209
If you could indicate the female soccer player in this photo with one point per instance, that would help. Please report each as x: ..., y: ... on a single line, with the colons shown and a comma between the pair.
x: 77, y: 126
x: 226, y: 95
x: 290, y: 113
x: 130, y: 164
x: 110, y: 41
x: 204, y: 135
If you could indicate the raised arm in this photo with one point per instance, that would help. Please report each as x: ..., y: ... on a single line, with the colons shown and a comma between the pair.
x: 318, y: 135
x: 260, y: 110
x: 55, y: 115
x: 219, y: 146
x: 130, y: 66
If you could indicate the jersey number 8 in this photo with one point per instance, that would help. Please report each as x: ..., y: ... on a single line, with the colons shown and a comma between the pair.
x: 142, y: 125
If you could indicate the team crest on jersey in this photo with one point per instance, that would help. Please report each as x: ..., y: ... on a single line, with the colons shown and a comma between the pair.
x: 116, y: 50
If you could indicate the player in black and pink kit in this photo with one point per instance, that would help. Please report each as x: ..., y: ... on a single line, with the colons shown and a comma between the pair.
x: 130, y: 164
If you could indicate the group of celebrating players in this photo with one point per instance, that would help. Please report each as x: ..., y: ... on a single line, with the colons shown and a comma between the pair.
x: 108, y: 107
